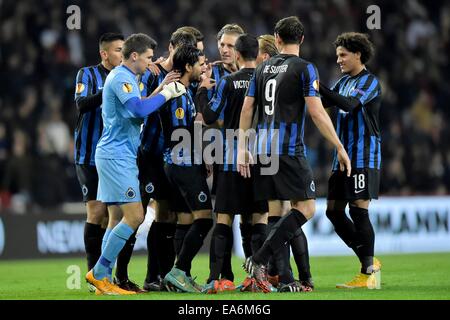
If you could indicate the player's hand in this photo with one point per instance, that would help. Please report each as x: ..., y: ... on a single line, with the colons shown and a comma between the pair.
x: 152, y: 66
x: 209, y: 66
x: 244, y: 159
x: 173, y: 90
x: 171, y: 77
x: 344, y: 161
x: 206, y: 82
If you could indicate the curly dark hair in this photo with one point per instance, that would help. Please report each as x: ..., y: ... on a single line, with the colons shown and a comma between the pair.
x: 356, y: 42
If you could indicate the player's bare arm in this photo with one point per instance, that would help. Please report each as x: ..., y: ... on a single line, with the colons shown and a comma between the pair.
x: 323, y: 123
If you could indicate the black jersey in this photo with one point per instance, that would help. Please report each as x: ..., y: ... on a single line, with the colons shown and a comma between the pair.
x: 227, y: 101
x: 359, y: 130
x: 280, y: 86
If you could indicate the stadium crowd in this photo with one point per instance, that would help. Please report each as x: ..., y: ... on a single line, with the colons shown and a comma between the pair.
x: 39, y: 59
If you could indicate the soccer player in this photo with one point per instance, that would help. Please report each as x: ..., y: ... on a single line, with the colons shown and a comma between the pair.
x: 153, y: 181
x: 122, y: 112
x: 281, y: 88
x: 234, y: 194
x: 299, y: 244
x: 357, y: 95
x: 226, y: 39
x: 88, y: 99
x: 184, y: 169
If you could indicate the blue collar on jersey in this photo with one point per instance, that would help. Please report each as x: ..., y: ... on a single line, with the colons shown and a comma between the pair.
x: 122, y: 65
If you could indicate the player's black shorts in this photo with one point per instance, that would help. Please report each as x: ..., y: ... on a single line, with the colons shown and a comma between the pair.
x: 88, y: 179
x: 234, y: 195
x: 152, y: 178
x: 292, y: 181
x: 188, y: 188
x: 363, y: 184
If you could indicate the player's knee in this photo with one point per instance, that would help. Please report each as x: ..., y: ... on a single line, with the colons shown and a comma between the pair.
x: 307, y: 209
x: 96, y: 212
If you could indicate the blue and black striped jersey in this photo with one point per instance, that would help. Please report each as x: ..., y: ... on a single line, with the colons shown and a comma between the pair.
x: 152, y: 138
x: 279, y: 87
x: 89, y: 127
x: 359, y: 131
x: 228, y: 100
x: 179, y: 113
x: 218, y: 71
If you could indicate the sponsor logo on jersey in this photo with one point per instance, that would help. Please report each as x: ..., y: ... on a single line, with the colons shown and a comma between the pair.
x: 127, y: 87
x: 316, y: 85
x: 80, y: 88
x: 179, y: 113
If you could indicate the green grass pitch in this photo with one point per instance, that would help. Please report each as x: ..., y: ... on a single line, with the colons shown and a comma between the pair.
x: 404, y: 277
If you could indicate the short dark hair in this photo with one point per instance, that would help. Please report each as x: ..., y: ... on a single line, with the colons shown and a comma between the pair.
x: 230, y: 28
x: 185, y: 55
x: 247, y: 46
x: 356, y: 42
x: 290, y: 30
x: 109, y: 37
x: 139, y: 43
x: 194, y: 31
x: 182, y: 38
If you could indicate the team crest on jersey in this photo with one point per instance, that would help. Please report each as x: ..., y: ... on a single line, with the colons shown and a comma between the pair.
x: 149, y: 188
x: 130, y: 193
x: 316, y: 85
x: 179, y: 113
x: 80, y: 88
x: 202, y: 197
x: 127, y: 87
x: 312, y: 186
x: 141, y: 86
x: 85, y: 190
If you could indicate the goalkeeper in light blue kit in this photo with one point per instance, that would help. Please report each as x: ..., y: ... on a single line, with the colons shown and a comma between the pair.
x: 123, y: 112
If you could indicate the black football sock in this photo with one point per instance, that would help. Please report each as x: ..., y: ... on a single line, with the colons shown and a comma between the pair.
x: 299, y: 246
x: 166, y: 251
x: 192, y: 243
x: 282, y: 257
x: 227, y: 270
x: 246, y: 235
x: 365, y: 236
x: 344, y: 228
x: 180, y: 234
x: 259, y: 232
x: 217, y: 250
x: 272, y: 270
x: 124, y: 258
x: 152, y: 263
x: 93, y: 235
x: 283, y: 231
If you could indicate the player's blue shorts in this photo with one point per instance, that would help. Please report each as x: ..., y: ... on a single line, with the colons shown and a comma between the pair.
x: 117, y: 181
